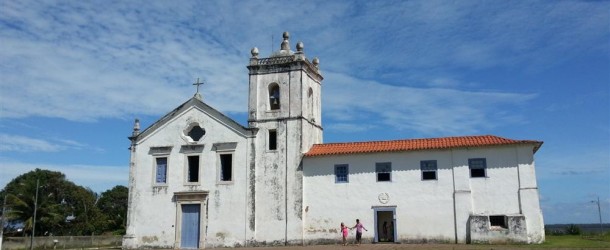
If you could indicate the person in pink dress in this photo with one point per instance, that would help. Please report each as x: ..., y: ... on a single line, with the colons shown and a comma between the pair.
x: 344, y: 232
x: 359, y: 228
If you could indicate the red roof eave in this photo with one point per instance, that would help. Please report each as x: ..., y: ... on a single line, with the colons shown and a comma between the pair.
x: 414, y: 145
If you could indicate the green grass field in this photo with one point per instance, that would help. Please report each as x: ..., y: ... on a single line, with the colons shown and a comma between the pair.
x: 575, y: 241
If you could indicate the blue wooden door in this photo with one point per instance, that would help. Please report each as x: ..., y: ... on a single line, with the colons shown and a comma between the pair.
x: 190, y: 226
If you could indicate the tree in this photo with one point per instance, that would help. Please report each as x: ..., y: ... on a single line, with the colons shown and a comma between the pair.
x: 63, y: 208
x: 80, y: 204
x: 113, y: 205
x: 21, y: 199
x: 58, y: 201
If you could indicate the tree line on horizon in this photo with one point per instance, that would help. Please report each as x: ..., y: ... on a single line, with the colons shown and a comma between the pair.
x: 63, y: 208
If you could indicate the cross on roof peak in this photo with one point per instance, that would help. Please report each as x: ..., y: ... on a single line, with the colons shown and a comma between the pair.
x: 198, y: 83
x: 197, y: 95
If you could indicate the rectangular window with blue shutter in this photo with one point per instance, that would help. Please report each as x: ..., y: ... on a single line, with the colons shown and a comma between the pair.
x: 341, y: 173
x: 161, y: 170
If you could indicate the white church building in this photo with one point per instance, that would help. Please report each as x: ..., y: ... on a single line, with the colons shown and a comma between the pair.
x: 198, y: 179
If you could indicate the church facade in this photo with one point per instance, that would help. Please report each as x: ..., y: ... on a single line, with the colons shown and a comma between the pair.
x: 198, y: 179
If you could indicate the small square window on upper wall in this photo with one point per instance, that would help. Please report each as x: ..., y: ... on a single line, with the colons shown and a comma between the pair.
x: 384, y: 171
x: 428, y: 170
x: 341, y: 173
x: 161, y: 170
x: 478, y: 167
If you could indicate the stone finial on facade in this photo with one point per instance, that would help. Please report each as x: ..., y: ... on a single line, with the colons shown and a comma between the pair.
x: 299, y: 55
x: 285, y: 43
x: 316, y: 62
x: 136, y: 127
x: 254, y: 52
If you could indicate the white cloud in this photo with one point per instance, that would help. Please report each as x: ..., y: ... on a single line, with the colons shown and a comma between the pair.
x: 349, y: 127
x: 24, y: 144
x: 82, y: 61
x: 18, y: 143
x: 425, y: 110
x: 98, y: 178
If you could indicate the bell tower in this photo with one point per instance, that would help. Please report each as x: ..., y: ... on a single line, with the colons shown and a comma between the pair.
x: 284, y: 103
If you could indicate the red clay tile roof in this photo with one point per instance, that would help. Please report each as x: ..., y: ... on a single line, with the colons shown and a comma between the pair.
x: 413, y: 145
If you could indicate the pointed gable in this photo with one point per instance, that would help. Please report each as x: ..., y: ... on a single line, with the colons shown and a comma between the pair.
x: 195, y: 102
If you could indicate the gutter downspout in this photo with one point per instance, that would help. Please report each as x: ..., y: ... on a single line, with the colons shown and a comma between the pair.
x: 518, y: 181
x: 454, y: 207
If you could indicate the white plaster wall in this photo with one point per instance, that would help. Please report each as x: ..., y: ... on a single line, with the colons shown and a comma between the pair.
x: 497, y: 193
x: 155, y: 209
x: 424, y: 209
x: 529, y: 195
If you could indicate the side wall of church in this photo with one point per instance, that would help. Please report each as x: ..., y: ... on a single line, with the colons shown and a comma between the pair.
x: 425, y: 210
x: 156, y: 213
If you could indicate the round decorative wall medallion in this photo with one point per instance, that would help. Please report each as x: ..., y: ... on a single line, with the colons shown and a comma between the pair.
x: 384, y: 198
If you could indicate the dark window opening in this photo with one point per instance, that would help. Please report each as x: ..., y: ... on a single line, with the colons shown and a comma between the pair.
x: 477, y: 173
x: 477, y: 167
x: 341, y: 173
x: 193, y: 171
x: 428, y: 170
x: 428, y: 175
x: 384, y: 171
x: 226, y: 167
x: 196, y: 133
x: 272, y: 140
x: 497, y: 221
x: 274, y: 97
x: 310, y: 103
x: 161, y: 170
x: 384, y: 177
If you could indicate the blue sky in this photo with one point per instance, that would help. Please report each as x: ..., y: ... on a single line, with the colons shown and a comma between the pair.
x: 74, y: 75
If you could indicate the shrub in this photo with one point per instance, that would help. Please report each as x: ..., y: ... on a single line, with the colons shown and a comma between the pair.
x: 573, y: 230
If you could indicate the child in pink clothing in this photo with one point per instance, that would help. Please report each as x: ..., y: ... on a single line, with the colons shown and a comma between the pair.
x: 344, y: 232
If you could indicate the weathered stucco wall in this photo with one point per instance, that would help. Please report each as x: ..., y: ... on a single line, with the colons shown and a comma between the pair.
x: 482, y: 232
x: 425, y: 209
x: 155, y: 216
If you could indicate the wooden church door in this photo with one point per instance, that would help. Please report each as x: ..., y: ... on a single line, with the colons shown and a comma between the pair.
x: 190, y: 225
